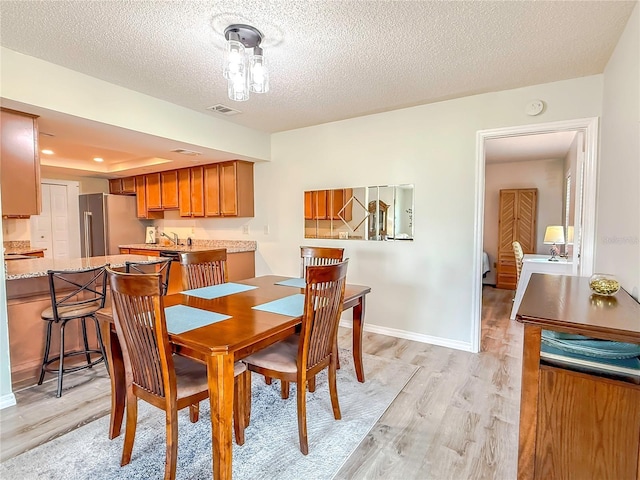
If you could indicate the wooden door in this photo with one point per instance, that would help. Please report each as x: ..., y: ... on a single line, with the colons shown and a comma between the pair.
x: 169, y: 183
x: 228, y: 189
x: 516, y: 222
x: 20, y: 164
x: 212, y: 190
x: 115, y: 186
x: 197, y: 192
x: 128, y: 185
x: 154, y: 192
x: 141, y: 197
x: 184, y: 192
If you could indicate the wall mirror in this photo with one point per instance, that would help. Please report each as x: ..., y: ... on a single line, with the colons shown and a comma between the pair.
x: 360, y: 213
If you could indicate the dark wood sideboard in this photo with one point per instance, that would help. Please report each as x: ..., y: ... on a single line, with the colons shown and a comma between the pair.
x: 576, y: 425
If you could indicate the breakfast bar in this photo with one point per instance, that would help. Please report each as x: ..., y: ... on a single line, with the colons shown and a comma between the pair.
x: 28, y: 295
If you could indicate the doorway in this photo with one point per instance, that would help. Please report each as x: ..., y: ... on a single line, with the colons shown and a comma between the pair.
x: 585, y: 194
x: 57, y: 228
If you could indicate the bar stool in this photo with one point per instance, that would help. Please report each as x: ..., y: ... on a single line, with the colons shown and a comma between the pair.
x: 75, y: 295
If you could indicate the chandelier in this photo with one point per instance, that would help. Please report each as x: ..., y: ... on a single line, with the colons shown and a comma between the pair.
x: 244, y: 72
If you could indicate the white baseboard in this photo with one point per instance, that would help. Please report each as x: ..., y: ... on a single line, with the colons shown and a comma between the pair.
x: 7, y: 400
x: 417, y: 337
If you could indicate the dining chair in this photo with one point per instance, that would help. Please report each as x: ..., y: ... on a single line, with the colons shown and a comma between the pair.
x: 153, y: 374
x: 163, y: 267
x: 517, y: 251
x: 75, y: 295
x: 204, y: 268
x: 301, y: 357
x: 319, y: 256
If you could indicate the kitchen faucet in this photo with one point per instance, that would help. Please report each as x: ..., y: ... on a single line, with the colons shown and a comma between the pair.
x: 174, y: 239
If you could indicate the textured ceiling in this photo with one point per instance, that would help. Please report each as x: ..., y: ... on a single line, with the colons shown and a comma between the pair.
x: 329, y: 60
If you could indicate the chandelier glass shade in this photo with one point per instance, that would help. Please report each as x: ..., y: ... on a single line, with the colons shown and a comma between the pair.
x: 244, y: 72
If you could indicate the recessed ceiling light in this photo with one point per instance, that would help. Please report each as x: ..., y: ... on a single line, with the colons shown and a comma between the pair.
x: 47, y: 152
x: 98, y: 159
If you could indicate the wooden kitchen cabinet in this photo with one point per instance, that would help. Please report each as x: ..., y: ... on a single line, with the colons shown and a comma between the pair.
x: 338, y: 199
x: 141, y: 200
x: 169, y: 188
x: 191, y: 192
x: 212, y: 190
x: 236, y: 189
x: 122, y: 186
x: 20, y: 164
x: 153, y: 191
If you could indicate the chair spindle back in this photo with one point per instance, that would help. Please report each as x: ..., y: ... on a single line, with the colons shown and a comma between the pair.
x: 203, y: 269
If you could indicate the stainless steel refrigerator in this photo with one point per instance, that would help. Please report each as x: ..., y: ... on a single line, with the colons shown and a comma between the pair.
x: 107, y: 221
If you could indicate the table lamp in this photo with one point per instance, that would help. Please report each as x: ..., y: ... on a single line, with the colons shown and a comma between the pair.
x: 554, y: 234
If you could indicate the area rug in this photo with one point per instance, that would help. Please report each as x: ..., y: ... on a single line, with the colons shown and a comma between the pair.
x: 271, y: 449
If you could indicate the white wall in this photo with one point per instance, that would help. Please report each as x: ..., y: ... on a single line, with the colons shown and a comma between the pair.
x: 77, y: 94
x: 546, y: 176
x: 618, y: 226
x: 422, y: 287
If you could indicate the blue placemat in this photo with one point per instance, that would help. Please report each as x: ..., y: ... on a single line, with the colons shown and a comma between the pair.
x: 216, y: 291
x: 181, y: 318
x: 293, y: 306
x: 293, y: 282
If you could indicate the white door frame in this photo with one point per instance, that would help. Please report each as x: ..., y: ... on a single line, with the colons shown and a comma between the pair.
x: 589, y: 127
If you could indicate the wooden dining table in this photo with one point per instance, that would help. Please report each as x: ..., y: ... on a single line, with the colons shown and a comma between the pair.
x: 219, y: 345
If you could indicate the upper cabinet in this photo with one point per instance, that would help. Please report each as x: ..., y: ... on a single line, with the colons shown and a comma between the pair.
x: 122, y: 186
x: 20, y: 164
x: 169, y: 189
x: 236, y: 189
x: 191, y: 192
x: 141, y: 200
x: 215, y: 190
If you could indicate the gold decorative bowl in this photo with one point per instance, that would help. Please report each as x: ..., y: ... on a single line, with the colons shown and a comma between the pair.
x: 604, y: 284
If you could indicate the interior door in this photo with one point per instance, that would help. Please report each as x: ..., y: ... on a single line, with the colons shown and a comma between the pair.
x: 578, y: 185
x: 50, y: 230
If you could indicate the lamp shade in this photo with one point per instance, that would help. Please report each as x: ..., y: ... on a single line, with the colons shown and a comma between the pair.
x: 554, y: 234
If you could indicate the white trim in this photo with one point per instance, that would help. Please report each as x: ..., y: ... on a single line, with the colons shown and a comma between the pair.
x: 7, y: 400
x: 589, y: 126
x: 416, y: 337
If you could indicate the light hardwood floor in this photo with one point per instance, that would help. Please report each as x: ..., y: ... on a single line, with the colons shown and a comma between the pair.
x: 457, y: 418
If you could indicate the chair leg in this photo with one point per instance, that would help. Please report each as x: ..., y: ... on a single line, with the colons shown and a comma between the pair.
x: 61, y: 362
x: 194, y: 412
x: 83, y: 322
x: 284, y: 389
x: 239, y: 404
x: 47, y: 346
x: 130, y: 427
x: 172, y: 445
x: 302, y: 419
x: 333, y: 391
x: 267, y: 380
x: 101, y: 344
x: 247, y: 407
x: 312, y: 384
x: 337, y: 356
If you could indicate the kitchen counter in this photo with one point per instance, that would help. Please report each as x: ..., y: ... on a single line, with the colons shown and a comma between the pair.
x: 22, y: 247
x: 232, y: 246
x: 38, y: 267
x: 28, y: 295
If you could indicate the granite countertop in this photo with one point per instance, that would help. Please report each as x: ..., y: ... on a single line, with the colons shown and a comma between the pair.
x: 38, y: 267
x: 20, y: 247
x: 232, y: 246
